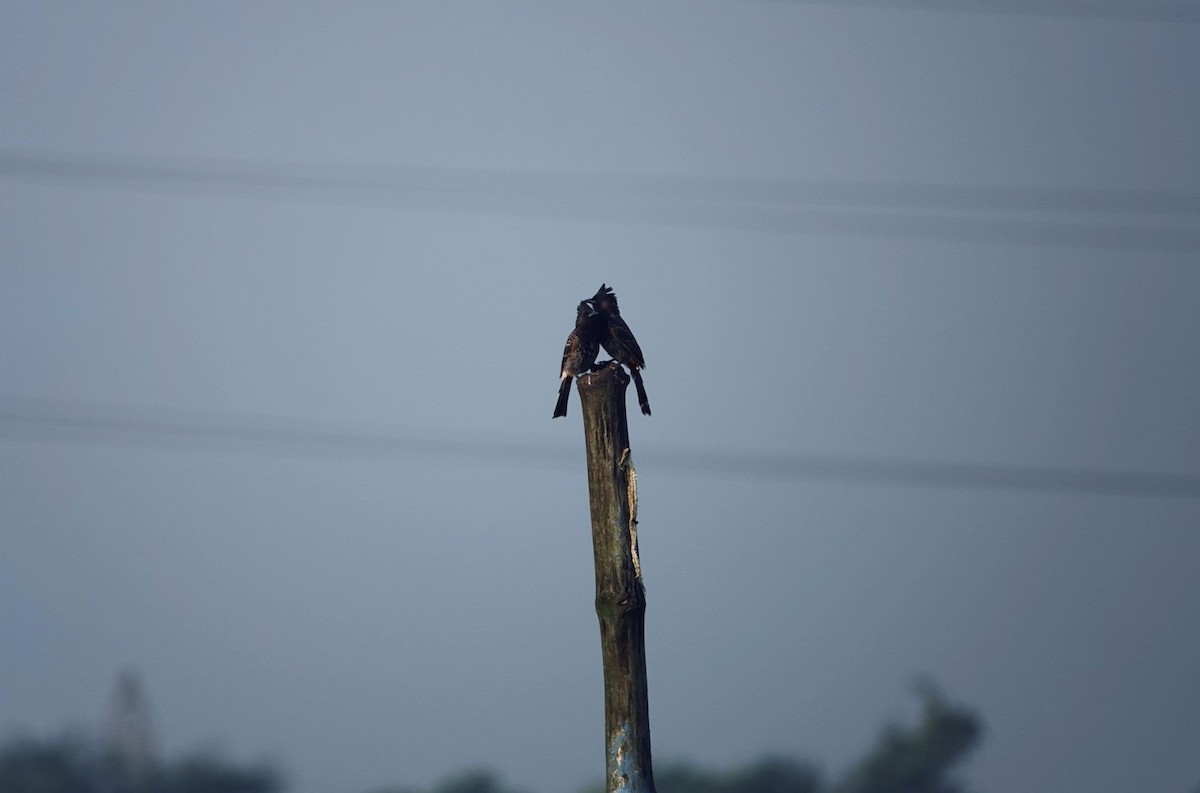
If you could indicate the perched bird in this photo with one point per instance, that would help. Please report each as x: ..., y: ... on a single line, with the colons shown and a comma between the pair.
x: 579, y: 354
x: 618, y: 341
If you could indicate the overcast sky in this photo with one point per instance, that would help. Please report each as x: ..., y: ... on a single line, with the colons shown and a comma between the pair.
x: 284, y: 292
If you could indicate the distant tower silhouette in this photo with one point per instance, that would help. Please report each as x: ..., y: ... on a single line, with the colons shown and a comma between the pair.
x: 128, y: 735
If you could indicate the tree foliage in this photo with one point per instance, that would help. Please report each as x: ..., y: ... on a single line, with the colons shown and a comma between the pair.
x: 477, y: 781
x: 71, y: 764
x: 769, y: 775
x: 63, y: 765
x: 921, y: 758
x: 918, y: 759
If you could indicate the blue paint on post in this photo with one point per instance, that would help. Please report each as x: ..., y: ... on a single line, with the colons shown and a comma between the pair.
x: 621, y: 773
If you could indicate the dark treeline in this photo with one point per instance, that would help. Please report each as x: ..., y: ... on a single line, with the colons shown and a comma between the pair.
x: 918, y: 758
x: 74, y: 764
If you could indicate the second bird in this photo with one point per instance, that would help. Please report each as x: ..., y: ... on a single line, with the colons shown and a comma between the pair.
x: 579, y: 354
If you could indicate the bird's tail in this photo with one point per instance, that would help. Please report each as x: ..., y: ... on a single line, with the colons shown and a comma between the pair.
x: 643, y: 400
x: 564, y: 393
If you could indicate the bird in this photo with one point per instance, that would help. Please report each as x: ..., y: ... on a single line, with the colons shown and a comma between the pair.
x: 617, y: 339
x: 579, y: 353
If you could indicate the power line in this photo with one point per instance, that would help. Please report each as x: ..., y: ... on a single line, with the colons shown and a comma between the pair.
x: 47, y: 420
x: 969, y: 213
x: 1129, y: 10
x: 267, y: 175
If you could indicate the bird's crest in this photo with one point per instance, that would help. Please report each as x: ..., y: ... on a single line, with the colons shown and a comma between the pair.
x: 605, y: 299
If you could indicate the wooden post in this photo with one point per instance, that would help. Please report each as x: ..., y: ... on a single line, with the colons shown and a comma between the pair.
x: 620, y: 596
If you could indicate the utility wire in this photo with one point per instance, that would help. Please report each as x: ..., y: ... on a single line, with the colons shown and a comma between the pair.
x: 268, y: 175
x: 47, y: 420
x: 1128, y: 10
x: 969, y: 213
